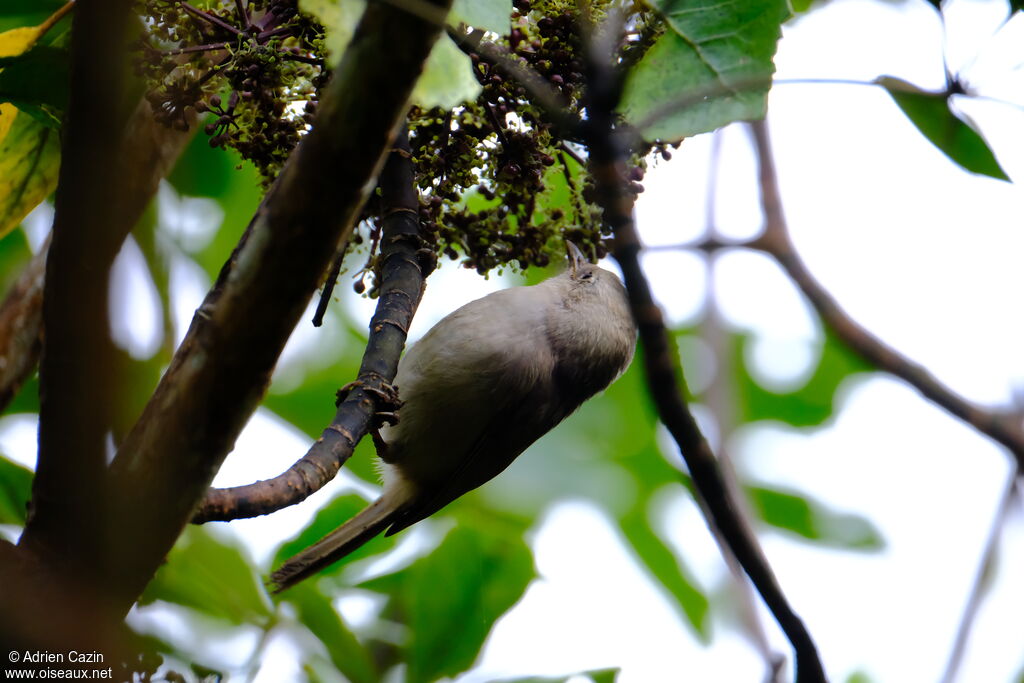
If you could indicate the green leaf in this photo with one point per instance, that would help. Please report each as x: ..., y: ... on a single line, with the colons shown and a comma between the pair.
x: 450, y: 598
x: 668, y: 570
x: 329, y: 518
x: 596, y: 675
x: 447, y: 79
x: 813, y: 520
x: 712, y: 67
x: 29, y: 164
x: 315, y: 612
x: 931, y: 114
x: 807, y: 406
x: 37, y: 83
x: 15, y: 491
x: 489, y: 15
x: 212, y: 576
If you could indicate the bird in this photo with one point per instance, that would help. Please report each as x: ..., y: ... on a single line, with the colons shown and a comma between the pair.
x: 478, y: 389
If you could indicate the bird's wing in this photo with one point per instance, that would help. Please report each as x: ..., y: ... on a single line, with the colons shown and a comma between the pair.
x: 524, y: 419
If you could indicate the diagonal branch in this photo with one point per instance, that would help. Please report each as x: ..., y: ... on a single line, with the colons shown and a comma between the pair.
x: 607, y: 162
x: 221, y: 369
x: 403, y: 274
x: 776, y: 242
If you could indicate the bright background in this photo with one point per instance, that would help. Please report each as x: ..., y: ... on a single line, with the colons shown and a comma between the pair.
x: 922, y: 253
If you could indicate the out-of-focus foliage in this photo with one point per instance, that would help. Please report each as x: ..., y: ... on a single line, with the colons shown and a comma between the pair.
x: 15, y: 490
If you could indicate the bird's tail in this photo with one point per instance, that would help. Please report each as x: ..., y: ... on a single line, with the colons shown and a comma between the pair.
x: 372, y: 520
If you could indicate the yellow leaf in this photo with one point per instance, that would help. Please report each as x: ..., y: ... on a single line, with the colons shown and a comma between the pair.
x: 29, y: 163
x: 7, y: 113
x: 17, y: 40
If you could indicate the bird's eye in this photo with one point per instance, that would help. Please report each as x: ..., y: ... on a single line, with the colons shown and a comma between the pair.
x: 587, y: 275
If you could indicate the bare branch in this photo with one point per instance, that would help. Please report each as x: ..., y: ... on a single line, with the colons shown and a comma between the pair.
x: 776, y: 242
x: 403, y: 274
x: 985, y: 567
x: 664, y: 379
x: 221, y: 369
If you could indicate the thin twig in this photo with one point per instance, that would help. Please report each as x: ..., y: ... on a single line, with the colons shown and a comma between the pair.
x: 401, y: 288
x: 777, y: 243
x: 978, y: 587
x: 607, y: 161
x: 329, y: 284
x: 540, y: 91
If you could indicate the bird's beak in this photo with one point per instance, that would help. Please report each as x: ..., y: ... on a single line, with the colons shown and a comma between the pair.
x: 576, y: 257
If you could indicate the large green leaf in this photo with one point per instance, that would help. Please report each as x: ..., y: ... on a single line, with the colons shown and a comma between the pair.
x: 807, y: 406
x: 450, y: 598
x: 15, y: 491
x: 213, y: 576
x: 711, y: 67
x: 814, y: 520
x: 931, y: 114
x: 315, y: 611
x: 29, y: 163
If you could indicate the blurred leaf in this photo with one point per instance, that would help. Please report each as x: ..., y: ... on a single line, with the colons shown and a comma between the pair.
x: 596, y: 675
x: 233, y: 183
x: 451, y: 598
x: 29, y: 163
x: 718, y: 54
x: 36, y: 82
x: 813, y: 520
x: 339, y: 19
x: 858, y: 677
x: 809, y: 405
x: 212, y: 576
x: 447, y: 80
x: 329, y: 518
x: 27, y: 398
x: 668, y: 570
x: 603, y: 675
x: 317, y: 614
x: 15, y: 491
x: 801, y: 5
x: 931, y: 113
x: 489, y: 15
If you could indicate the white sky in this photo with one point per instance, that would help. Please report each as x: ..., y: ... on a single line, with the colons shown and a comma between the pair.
x: 922, y: 253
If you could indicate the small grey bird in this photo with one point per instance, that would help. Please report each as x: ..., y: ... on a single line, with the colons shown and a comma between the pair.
x: 480, y: 387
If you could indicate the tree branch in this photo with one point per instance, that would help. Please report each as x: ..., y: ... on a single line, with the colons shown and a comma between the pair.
x: 403, y: 274
x: 76, y: 391
x: 221, y: 369
x: 607, y: 161
x: 777, y: 243
x: 981, y: 579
